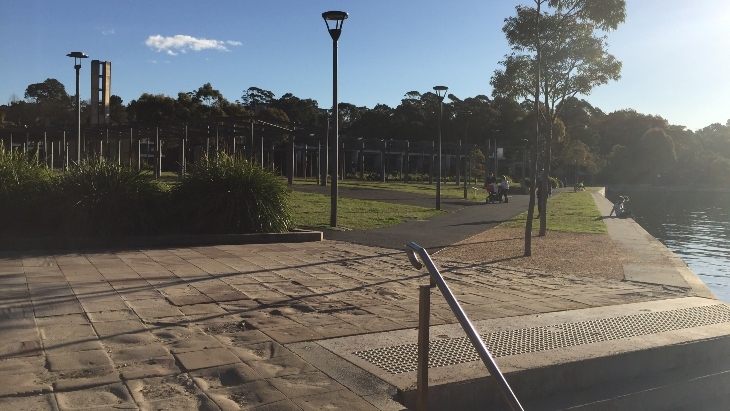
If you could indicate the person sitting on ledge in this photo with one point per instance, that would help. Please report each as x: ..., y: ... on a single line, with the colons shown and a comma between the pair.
x: 619, y: 209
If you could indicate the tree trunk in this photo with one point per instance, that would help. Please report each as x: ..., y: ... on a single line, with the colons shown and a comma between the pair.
x: 533, y: 166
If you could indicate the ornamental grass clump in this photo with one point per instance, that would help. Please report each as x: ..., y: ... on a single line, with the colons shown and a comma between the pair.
x: 24, y: 193
x: 101, y: 198
x: 229, y: 195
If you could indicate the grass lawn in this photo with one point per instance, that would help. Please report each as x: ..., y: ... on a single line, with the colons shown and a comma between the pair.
x: 313, y: 211
x: 567, y: 212
x: 448, y: 189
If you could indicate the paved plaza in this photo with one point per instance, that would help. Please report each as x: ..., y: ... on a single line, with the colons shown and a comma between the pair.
x: 228, y: 327
x: 207, y: 328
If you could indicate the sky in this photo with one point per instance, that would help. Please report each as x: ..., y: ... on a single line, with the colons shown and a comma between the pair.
x: 675, y: 53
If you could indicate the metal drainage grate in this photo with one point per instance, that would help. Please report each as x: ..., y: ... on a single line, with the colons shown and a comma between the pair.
x: 399, y: 359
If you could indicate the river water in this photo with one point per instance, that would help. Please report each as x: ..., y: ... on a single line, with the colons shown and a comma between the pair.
x: 694, y: 225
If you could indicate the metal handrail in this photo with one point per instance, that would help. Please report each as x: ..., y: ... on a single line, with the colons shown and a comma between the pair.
x: 419, y: 257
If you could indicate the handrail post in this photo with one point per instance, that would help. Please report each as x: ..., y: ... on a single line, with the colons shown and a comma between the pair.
x: 414, y: 252
x: 424, y: 314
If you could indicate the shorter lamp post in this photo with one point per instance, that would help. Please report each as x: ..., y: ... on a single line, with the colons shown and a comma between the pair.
x: 336, y: 18
x: 77, y: 56
x: 467, y: 154
x: 440, y: 93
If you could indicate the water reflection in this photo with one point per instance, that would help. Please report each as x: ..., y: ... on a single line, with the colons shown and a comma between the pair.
x: 695, y: 226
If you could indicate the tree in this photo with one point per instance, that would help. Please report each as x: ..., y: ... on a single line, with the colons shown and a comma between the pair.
x: 117, y: 112
x: 49, y: 102
x: 50, y: 89
x: 555, y: 56
x: 306, y: 112
x: 657, y: 155
x: 151, y: 107
x: 255, y: 96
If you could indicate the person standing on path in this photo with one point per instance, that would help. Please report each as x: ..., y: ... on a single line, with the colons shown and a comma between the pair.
x: 505, y: 188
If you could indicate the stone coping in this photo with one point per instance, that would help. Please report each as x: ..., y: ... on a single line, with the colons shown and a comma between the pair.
x: 54, y: 243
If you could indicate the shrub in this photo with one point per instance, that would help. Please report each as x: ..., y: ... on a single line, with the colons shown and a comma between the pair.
x: 232, y: 196
x: 24, y: 193
x: 101, y: 198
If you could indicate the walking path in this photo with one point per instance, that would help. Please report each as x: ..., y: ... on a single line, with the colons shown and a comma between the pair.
x: 232, y: 327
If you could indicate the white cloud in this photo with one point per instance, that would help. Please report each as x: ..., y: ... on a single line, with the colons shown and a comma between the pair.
x: 107, y: 32
x: 182, y: 43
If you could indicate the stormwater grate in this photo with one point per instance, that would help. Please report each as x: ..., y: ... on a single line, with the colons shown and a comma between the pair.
x: 399, y: 359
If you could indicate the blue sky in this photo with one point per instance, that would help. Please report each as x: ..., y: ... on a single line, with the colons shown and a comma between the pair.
x: 675, y: 53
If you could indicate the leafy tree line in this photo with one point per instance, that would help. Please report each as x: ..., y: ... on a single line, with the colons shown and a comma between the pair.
x: 619, y: 147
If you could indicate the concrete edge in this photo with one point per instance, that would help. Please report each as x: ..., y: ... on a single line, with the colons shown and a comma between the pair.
x: 364, y: 384
x: 698, y: 287
x: 51, y: 243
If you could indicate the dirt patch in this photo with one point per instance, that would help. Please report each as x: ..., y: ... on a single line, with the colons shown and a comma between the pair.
x: 592, y: 255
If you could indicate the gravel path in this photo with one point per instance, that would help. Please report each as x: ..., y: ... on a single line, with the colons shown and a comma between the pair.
x: 592, y: 255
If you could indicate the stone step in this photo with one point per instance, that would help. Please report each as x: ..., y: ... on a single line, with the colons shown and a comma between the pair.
x: 580, y: 358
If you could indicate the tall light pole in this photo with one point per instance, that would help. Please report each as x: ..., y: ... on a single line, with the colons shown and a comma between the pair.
x: 336, y: 18
x: 467, y: 154
x: 440, y: 93
x: 77, y: 56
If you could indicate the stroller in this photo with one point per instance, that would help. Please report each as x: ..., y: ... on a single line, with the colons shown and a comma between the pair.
x: 493, y: 193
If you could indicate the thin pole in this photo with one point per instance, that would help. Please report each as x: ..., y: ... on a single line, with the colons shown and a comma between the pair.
x: 78, y: 116
x: 438, y: 182
x: 424, y: 316
x: 335, y: 139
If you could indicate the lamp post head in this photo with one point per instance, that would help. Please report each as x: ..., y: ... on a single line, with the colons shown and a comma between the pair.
x: 337, y: 18
x: 77, y: 55
x: 441, y: 92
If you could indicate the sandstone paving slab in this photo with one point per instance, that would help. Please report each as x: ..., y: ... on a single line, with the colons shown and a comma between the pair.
x: 243, y: 338
x: 78, y: 360
x: 155, y: 367
x: 142, y: 353
x: 335, y: 330
x: 292, y: 334
x: 157, y: 302
x: 334, y: 400
x: 118, y: 315
x: 195, y: 360
x: 259, y: 351
x: 189, y: 299
x: 120, y: 341
x: 209, y: 308
x: 25, y: 384
x: 110, y: 328
x: 72, y: 345
x: 286, y: 405
x: 43, y: 309
x: 158, y: 312
x: 247, y: 396
x: 265, y: 320
x: 280, y: 366
x: 305, y: 384
x: 66, y: 332
x: 224, y: 376
x: 133, y: 294
x: 112, y: 395
x: 18, y: 331
x: 84, y: 378
x: 95, y: 305
x: 20, y: 348
x: 45, y: 402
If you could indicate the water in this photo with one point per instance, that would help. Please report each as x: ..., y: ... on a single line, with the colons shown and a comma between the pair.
x: 694, y: 225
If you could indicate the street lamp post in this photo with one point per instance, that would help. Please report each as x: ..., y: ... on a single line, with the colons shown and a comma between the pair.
x: 336, y: 18
x: 77, y: 56
x: 440, y: 93
x: 467, y: 154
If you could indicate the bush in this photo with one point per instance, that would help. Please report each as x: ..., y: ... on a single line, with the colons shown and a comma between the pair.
x: 24, y: 192
x: 101, y: 198
x: 231, y: 196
